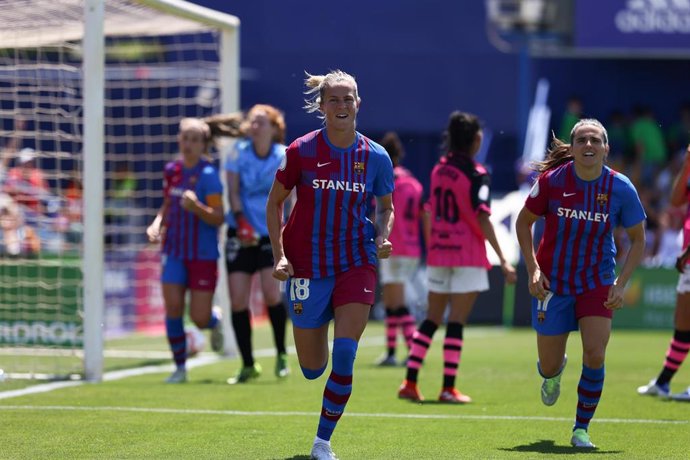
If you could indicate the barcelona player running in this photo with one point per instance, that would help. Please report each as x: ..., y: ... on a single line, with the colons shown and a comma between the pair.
x: 399, y: 268
x: 572, y: 277
x: 187, y: 223
x: 328, y: 250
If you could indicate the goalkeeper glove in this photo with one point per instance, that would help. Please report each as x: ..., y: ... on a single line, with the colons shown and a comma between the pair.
x: 245, y: 232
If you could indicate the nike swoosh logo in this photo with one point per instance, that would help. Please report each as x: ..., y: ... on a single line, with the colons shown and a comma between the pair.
x: 569, y: 194
x: 318, y: 165
x: 367, y: 290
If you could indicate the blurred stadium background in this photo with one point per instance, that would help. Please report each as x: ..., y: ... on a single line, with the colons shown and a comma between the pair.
x: 525, y: 67
x: 80, y: 300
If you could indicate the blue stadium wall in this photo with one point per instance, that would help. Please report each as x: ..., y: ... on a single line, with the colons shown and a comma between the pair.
x: 418, y: 61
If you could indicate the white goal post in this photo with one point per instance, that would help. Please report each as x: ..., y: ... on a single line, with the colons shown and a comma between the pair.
x: 74, y: 44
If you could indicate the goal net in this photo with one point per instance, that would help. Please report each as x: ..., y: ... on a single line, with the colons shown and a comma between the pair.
x: 88, y: 118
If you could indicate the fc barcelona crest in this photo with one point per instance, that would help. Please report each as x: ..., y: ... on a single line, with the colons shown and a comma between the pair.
x: 192, y: 180
x: 541, y: 316
x: 359, y: 167
x: 297, y: 307
x: 602, y: 199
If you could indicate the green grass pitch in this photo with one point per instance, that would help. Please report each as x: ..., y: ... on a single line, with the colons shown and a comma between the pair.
x: 142, y: 418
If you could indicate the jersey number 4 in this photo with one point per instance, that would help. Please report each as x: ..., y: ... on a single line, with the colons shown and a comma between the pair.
x: 446, y: 206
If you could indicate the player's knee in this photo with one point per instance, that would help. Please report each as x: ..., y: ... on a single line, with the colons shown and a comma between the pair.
x: 548, y: 370
x: 199, y: 320
x: 594, y: 359
x: 344, y: 352
x: 311, y: 374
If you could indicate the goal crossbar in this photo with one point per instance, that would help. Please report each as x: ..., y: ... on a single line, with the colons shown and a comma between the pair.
x: 121, y: 19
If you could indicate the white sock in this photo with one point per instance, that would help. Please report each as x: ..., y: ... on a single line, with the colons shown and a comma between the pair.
x: 322, y: 441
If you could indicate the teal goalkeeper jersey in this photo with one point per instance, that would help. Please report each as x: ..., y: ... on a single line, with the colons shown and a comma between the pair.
x: 256, y: 178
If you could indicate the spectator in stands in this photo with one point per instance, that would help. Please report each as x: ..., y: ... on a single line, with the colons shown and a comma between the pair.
x: 573, y: 113
x: 26, y: 183
x: 10, y: 149
x: 16, y: 238
x: 187, y: 225
x: 620, y: 156
x: 72, y: 210
x: 122, y: 216
x: 397, y: 270
x: 669, y: 238
x: 650, y: 202
x: 680, y: 343
x: 649, y: 146
x: 678, y: 134
x: 572, y: 276
x: 250, y: 168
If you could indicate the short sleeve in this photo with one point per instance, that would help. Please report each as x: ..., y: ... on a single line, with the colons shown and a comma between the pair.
x: 167, y: 176
x: 289, y: 172
x: 632, y: 211
x: 212, y: 184
x: 481, y: 193
x: 537, y: 201
x: 232, y: 158
x: 384, y: 179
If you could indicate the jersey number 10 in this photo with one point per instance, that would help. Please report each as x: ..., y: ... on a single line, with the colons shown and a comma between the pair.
x: 446, y: 207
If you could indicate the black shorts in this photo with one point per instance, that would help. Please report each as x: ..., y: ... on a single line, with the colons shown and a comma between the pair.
x: 247, y: 259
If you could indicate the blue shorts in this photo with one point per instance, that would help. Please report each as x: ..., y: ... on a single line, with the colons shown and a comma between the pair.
x: 559, y: 314
x: 198, y: 275
x: 312, y: 301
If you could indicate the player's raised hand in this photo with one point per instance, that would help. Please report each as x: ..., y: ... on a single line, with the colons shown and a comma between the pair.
x: 384, y: 248
x: 189, y: 200
x: 283, y: 269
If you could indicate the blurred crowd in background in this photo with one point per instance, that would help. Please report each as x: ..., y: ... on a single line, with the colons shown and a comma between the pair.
x: 36, y: 217
x: 651, y: 155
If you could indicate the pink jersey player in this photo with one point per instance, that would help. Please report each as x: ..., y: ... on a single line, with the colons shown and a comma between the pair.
x: 407, y: 199
x: 459, y: 193
x: 399, y: 269
x: 456, y: 227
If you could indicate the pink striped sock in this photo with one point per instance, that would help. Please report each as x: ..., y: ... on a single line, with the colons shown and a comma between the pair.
x: 421, y: 340
x: 408, y: 326
x: 391, y: 332
x: 675, y: 355
x: 452, y: 349
x: 420, y: 346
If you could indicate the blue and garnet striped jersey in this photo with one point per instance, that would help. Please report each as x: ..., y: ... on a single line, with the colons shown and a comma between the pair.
x: 577, y: 251
x: 328, y: 231
x: 186, y: 236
